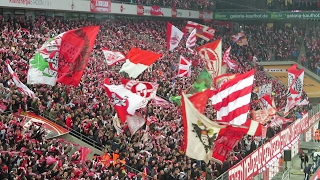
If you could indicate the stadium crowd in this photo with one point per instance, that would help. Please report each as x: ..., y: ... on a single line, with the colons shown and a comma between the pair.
x: 200, y: 5
x: 27, y: 154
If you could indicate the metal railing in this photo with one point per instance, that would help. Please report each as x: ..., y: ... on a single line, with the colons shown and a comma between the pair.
x: 72, y: 132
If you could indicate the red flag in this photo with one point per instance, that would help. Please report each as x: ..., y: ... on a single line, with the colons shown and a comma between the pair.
x: 229, y: 137
x: 84, y: 152
x: 76, y: 46
x: 199, y: 100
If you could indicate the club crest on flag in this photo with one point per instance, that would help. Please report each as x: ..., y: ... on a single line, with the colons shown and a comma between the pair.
x: 143, y: 89
x: 206, y: 135
x: 117, y: 101
x: 211, y: 58
x: 175, y: 39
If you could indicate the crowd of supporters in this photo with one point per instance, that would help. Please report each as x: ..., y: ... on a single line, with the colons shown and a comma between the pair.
x: 200, y: 5
x: 87, y: 110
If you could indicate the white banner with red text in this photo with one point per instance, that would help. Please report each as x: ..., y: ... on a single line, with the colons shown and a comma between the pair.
x: 106, y: 7
x: 270, y: 152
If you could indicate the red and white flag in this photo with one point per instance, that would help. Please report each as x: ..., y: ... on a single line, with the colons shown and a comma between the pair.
x: 199, y: 132
x: 174, y: 36
x: 304, y: 102
x: 22, y: 87
x: 229, y: 137
x: 295, y: 83
x: 112, y: 57
x: 184, y: 67
x: 211, y: 54
x: 147, y: 90
x: 138, y: 61
x: 124, y: 101
x: 202, y: 31
x: 278, y: 121
x: 135, y: 122
x: 191, y: 41
x: 240, y: 39
x: 232, y: 99
x: 227, y: 60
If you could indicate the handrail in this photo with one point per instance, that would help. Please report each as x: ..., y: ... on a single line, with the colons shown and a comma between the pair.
x: 72, y: 132
x: 312, y: 112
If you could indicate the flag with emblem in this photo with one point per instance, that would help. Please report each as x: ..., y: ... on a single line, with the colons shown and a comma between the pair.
x: 174, y: 36
x: 199, y: 132
x: 124, y: 101
x: 147, y: 90
x: 112, y: 57
x: 211, y: 54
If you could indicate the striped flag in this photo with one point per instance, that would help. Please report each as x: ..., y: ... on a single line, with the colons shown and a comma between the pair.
x: 227, y: 60
x: 202, y: 31
x: 184, y: 67
x: 231, y: 100
x: 191, y: 41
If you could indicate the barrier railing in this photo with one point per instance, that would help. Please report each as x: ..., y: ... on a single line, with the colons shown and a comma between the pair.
x: 313, y: 117
x: 72, y: 132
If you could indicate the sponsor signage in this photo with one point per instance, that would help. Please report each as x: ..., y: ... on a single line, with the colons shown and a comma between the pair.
x: 63, y: 5
x: 271, y: 151
x: 106, y: 6
x: 266, y: 15
x: 100, y: 6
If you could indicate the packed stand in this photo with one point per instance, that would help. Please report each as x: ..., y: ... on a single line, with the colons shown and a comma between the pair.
x: 294, y: 5
x: 311, y: 59
x: 86, y: 109
x: 202, y: 5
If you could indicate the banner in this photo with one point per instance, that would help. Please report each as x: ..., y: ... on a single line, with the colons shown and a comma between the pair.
x: 270, y: 152
x: 266, y: 15
x: 100, y: 6
x: 52, y: 130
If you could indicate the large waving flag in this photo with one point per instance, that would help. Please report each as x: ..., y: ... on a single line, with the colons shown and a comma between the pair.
x: 199, y: 132
x: 174, y: 36
x: 124, y: 101
x: 203, y: 82
x: 203, y: 31
x: 232, y: 99
x: 147, y: 90
x: 295, y: 83
x: 63, y: 58
x: 184, y: 67
x: 138, y: 61
x: 112, y: 57
x: 229, y: 137
x: 22, y: 88
x: 211, y: 54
